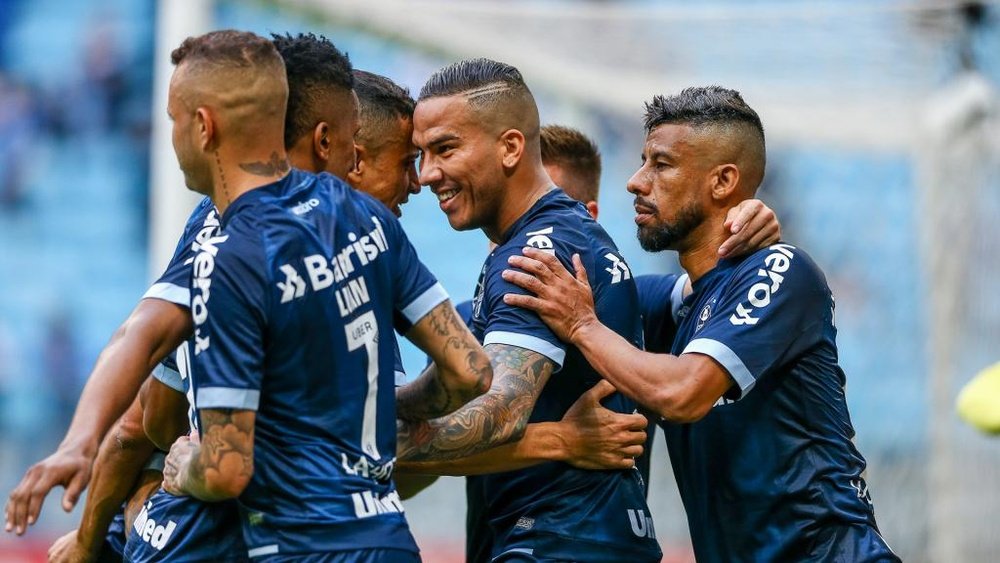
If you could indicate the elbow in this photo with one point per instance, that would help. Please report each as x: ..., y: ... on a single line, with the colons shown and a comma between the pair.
x: 224, y: 487
x: 129, y: 434
x: 681, y: 406
x: 474, y: 378
x: 479, y: 377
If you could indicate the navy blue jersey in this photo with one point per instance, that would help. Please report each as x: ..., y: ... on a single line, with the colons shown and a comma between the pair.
x: 660, y: 299
x: 771, y: 474
x: 554, y: 509
x: 290, y: 303
x: 173, y: 283
x: 173, y: 528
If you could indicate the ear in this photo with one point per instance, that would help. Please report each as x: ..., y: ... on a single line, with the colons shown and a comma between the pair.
x: 360, y: 165
x: 724, y: 179
x: 204, y: 128
x: 512, y: 147
x: 321, y: 141
x: 592, y: 208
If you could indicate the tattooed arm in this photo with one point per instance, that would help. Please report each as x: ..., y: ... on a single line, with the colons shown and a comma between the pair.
x: 460, y: 372
x: 220, y: 464
x: 495, y: 418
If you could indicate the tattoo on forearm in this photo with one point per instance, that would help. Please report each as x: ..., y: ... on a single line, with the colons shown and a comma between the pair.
x: 226, y: 446
x: 490, y: 420
x: 430, y: 397
x: 273, y: 167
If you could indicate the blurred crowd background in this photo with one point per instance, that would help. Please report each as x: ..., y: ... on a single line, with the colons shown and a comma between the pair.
x: 883, y: 122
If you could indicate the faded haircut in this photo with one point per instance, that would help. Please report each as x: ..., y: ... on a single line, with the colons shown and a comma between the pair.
x: 228, y: 47
x: 700, y: 106
x: 487, y: 85
x: 382, y: 103
x: 315, y: 68
x: 575, y: 153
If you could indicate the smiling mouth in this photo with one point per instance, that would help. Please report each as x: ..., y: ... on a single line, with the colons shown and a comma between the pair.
x: 446, y: 195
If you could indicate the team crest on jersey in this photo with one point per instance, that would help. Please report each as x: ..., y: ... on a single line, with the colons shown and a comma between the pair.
x: 706, y: 313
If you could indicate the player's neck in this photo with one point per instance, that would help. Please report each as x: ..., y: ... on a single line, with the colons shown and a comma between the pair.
x: 700, y: 253
x: 518, y: 199
x: 235, y: 174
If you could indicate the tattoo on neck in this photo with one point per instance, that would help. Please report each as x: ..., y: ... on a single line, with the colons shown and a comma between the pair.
x: 222, y: 178
x: 275, y: 166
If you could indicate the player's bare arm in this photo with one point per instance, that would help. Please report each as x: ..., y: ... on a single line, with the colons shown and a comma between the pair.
x: 589, y: 436
x: 752, y: 226
x: 119, y: 462
x: 678, y: 388
x: 219, y: 464
x: 460, y: 372
x: 164, y: 414
x: 151, y: 332
x: 494, y: 418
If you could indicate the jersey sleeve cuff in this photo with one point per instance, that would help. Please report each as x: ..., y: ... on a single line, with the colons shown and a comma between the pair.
x: 400, y: 378
x: 729, y: 360
x: 169, y: 377
x: 169, y: 292
x: 528, y: 342
x: 432, y: 297
x: 677, y: 296
x: 227, y: 398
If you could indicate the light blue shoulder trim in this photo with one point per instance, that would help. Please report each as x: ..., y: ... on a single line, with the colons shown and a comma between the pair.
x: 169, y: 377
x: 169, y: 292
x: 528, y: 342
x: 725, y: 356
x: 227, y: 398
x: 677, y: 296
x: 432, y: 297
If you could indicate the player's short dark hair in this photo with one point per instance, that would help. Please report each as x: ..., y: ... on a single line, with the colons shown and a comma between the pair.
x: 487, y: 84
x: 702, y: 105
x: 229, y: 47
x: 314, y: 66
x: 574, y: 152
x: 383, y: 103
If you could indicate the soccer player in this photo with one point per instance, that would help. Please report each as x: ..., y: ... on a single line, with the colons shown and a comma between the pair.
x: 295, y: 396
x: 756, y: 418
x: 573, y: 162
x: 323, y: 110
x: 476, y: 124
x: 386, y: 163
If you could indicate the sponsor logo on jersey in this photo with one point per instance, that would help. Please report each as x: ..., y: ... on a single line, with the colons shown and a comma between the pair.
x: 322, y: 272
x: 540, y: 239
x: 641, y: 523
x: 201, y: 285
x: 619, y: 269
x: 706, y: 313
x: 209, y: 228
x: 293, y: 287
x: 305, y: 206
x: 525, y: 523
x: 369, y: 470
x: 149, y: 531
x: 368, y: 504
x: 759, y: 295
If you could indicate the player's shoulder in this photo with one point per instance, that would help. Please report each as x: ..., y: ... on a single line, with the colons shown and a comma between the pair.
x: 656, y: 285
x: 781, y: 269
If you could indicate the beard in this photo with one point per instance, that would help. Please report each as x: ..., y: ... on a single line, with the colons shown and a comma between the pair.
x: 667, y: 236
